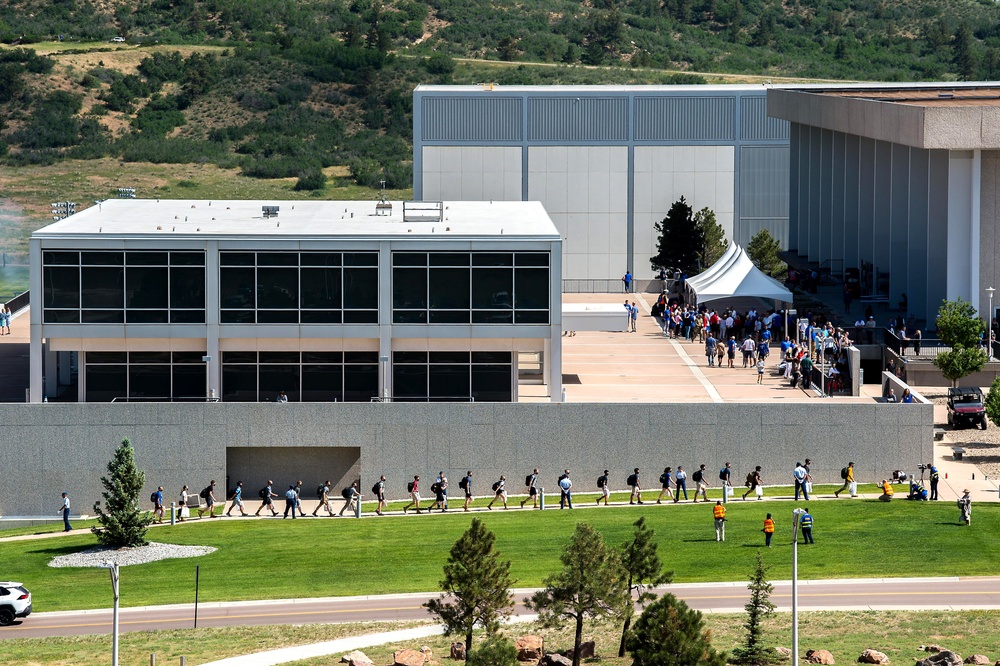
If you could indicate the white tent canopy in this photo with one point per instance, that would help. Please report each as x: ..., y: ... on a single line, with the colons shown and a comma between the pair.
x: 736, y: 276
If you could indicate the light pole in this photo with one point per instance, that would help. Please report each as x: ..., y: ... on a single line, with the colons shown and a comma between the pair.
x: 112, y: 567
x: 796, y: 513
x: 989, y: 323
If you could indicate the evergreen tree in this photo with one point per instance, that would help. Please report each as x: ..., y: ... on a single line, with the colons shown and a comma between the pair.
x: 965, y: 57
x: 680, y: 241
x: 591, y: 585
x: 476, y: 586
x: 668, y: 633
x: 122, y: 524
x: 763, y: 250
x: 715, y: 242
x: 960, y: 328
x: 753, y: 652
x: 644, y: 570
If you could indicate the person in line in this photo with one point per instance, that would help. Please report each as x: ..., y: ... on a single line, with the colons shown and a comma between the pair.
x: 664, y: 485
x: 719, y: 512
x: 680, y: 484
x: 700, y: 477
x: 208, y: 494
x: 379, y: 491
x: 964, y: 505
x: 768, y: 530
x: 353, y: 496
x: 413, y: 488
x: 636, y: 494
x: 438, y: 491
x: 237, y: 499
x: 64, y: 510
x: 466, y: 485
x: 935, y: 477
x: 323, y: 492
x: 443, y: 480
x: 731, y: 351
x: 806, y: 525
x: 847, y: 474
x: 565, y: 490
x: 158, y: 511
x: 298, y: 498
x: 267, y: 499
x: 604, y: 487
x: 499, y: 493
x: 185, y: 512
x: 799, y: 475
x: 530, y: 482
x: 725, y: 475
x: 291, y: 498
x: 754, y: 484
x: 887, y: 491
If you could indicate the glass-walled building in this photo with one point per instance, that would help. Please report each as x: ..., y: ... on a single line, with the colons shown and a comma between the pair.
x: 305, y: 301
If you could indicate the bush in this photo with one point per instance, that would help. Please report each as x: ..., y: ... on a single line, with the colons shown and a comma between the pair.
x: 311, y: 179
x: 495, y: 651
x: 440, y: 63
x: 668, y: 633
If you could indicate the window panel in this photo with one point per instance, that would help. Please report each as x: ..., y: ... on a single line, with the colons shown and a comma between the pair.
x: 187, y: 288
x: 102, y: 258
x: 491, y: 357
x: 449, y: 357
x: 449, y: 381
x: 531, y: 288
x: 239, y: 357
x: 531, y: 316
x: 145, y: 258
x: 102, y: 316
x: 237, y: 317
x: 62, y: 287
x: 320, y: 316
x: 149, y: 381
x: 409, y: 258
x: 187, y: 357
x: 531, y: 259
x: 449, y: 258
x: 146, y: 287
x: 492, y: 259
x: 449, y: 289
x: 147, y: 316
x: 491, y: 383
x: 361, y: 259
x: 278, y: 288
x: 277, y: 317
x: 492, y: 288
x: 62, y: 316
x: 276, y: 378
x: 360, y: 288
x: 277, y: 258
x: 105, y: 382
x: 236, y: 288
x: 60, y: 258
x: 189, y: 381
x: 360, y: 381
x: 149, y: 357
x: 361, y: 357
x: 322, y: 383
x: 106, y: 357
x: 409, y: 316
x: 102, y: 287
x: 322, y: 357
x: 321, y: 259
x: 360, y: 316
x: 492, y: 317
x: 321, y: 289
x: 279, y: 357
x: 236, y: 259
x: 187, y: 258
x: 409, y: 288
x: 239, y: 383
x: 449, y: 316
x: 409, y: 381
x: 409, y: 357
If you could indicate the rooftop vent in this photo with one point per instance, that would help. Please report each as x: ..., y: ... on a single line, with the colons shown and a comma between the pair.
x: 269, y: 211
x: 423, y: 211
x: 383, y: 208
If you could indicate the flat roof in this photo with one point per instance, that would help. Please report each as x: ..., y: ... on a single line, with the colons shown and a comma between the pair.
x: 582, y: 89
x: 306, y: 219
x: 937, y: 95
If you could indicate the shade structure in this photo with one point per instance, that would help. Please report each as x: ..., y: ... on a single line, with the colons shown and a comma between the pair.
x: 736, y: 276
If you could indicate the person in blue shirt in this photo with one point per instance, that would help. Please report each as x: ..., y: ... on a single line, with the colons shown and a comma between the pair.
x: 627, y: 280
x: 806, y: 525
x: 917, y: 491
x: 158, y: 504
x: 237, y: 499
x: 907, y: 397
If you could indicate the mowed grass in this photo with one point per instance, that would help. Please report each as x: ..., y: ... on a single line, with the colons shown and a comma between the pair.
x: 275, y: 558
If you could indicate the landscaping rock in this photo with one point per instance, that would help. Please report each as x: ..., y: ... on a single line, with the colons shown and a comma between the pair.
x: 819, y: 657
x: 408, y: 658
x: 586, y: 650
x: 356, y: 658
x: 942, y: 658
x: 783, y: 652
x: 529, y: 648
x: 555, y: 660
x: 870, y: 656
x: 458, y: 651
x: 426, y: 651
x: 978, y: 660
x: 930, y: 648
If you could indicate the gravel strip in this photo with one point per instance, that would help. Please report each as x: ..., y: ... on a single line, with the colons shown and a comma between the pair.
x: 151, y: 552
x: 982, y: 447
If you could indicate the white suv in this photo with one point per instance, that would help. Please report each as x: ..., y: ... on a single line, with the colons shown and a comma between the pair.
x: 15, y: 601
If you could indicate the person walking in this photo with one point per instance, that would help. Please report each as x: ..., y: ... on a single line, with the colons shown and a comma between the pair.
x: 768, y: 530
x: 378, y: 490
x: 799, y: 475
x: 636, y: 486
x: 753, y: 484
x: 964, y: 505
x: 935, y: 478
x: 603, y: 486
x: 847, y: 474
x: 700, y: 477
x: 565, y: 490
x: 298, y: 498
x: 208, y: 494
x: 158, y: 504
x: 529, y: 482
x: 719, y: 512
x: 183, y: 509
x: 267, y: 499
x: 466, y: 485
x: 806, y: 525
x: 291, y: 497
x: 499, y: 493
x: 726, y: 476
x: 413, y: 488
x: 443, y: 481
x: 710, y: 350
x: 323, y: 492
x: 237, y: 499
x: 664, y: 485
x: 627, y: 281
x: 353, y: 496
x: 64, y: 510
x: 680, y: 484
x: 760, y: 370
x: 438, y: 491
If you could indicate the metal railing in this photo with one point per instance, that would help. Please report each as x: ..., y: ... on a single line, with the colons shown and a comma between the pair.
x: 436, y: 398
x: 919, y: 347
x: 18, y: 303
x: 145, y: 398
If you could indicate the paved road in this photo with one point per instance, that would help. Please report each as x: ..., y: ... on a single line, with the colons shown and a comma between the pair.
x: 875, y: 594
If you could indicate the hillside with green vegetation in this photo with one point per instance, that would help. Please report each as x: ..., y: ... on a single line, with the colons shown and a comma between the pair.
x: 301, y: 98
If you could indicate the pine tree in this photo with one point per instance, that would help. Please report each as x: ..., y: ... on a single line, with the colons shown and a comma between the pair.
x: 680, y: 240
x: 668, y: 633
x: 714, y: 237
x: 122, y: 524
x: 753, y: 652
x: 965, y: 56
x: 644, y: 570
x: 763, y: 250
x: 590, y: 586
x: 476, y: 586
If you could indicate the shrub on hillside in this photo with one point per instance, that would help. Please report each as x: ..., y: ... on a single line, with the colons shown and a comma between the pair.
x: 311, y: 179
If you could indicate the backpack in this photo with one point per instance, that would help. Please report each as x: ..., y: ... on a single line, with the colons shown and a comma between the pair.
x: 152, y: 498
x: 409, y: 487
x: 601, y: 482
x: 843, y: 473
x: 464, y: 483
x: 697, y: 476
x: 664, y: 478
x: 375, y: 489
x: 206, y: 492
x: 527, y: 480
x: 750, y: 478
x: 631, y: 480
x: 435, y: 487
x: 319, y: 491
x: 722, y: 474
x: 346, y: 493
x: 262, y: 493
x: 496, y: 486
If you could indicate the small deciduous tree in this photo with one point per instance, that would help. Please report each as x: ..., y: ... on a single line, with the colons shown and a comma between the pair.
x: 753, y: 652
x: 960, y: 328
x: 591, y: 585
x: 476, y: 586
x: 992, y: 402
x: 763, y: 250
x: 643, y: 570
x: 668, y: 633
x: 680, y: 241
x: 714, y: 237
x: 121, y: 524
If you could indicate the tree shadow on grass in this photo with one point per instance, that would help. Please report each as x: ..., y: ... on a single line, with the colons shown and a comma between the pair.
x: 61, y: 550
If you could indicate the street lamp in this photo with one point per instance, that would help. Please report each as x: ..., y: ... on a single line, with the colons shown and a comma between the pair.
x: 989, y: 323
x: 112, y: 567
x: 796, y: 514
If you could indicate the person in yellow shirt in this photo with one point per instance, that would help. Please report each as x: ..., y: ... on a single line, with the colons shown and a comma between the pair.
x: 848, y: 480
x: 886, y: 495
x: 768, y: 530
x: 720, y: 521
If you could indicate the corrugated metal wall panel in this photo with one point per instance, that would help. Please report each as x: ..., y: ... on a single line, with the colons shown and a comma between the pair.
x: 764, y: 181
x: 471, y: 118
x: 578, y: 119
x: 755, y: 124
x: 684, y: 118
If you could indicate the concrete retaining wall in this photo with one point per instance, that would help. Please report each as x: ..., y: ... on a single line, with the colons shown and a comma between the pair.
x: 55, y: 447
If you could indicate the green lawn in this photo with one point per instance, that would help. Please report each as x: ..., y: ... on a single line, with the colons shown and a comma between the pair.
x: 331, y: 557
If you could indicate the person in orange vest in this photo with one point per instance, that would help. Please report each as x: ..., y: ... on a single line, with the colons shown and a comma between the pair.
x: 768, y: 530
x: 720, y: 521
x: 886, y: 495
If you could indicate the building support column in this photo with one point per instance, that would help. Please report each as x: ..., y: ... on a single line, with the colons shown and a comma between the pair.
x: 976, y: 295
x: 385, y: 320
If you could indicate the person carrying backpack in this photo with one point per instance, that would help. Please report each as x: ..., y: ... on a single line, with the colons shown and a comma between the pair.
x: 633, y: 481
x: 378, y: 490
x: 602, y: 485
x: 413, y: 488
x: 266, y: 499
x: 237, y: 499
x: 323, y: 493
x: 157, y: 499
x: 847, y: 474
x: 353, y: 496
x: 208, y: 494
x: 499, y: 493
x: 466, y: 485
x: 664, y: 485
x: 754, y: 484
x: 439, y: 488
x: 529, y: 482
